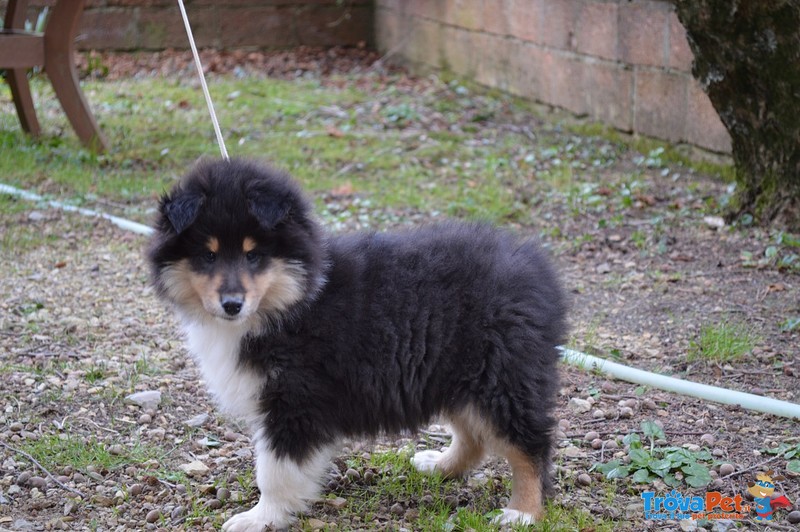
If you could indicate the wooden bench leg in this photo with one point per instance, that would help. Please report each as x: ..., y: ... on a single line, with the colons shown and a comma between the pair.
x: 21, y: 94
x: 60, y: 68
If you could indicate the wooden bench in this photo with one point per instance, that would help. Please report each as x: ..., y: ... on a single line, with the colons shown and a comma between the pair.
x: 21, y: 50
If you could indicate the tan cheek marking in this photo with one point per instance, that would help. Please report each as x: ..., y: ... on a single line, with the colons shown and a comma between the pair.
x: 213, y: 245
x: 279, y: 287
x: 179, y: 284
x: 526, y: 484
x: 207, y: 288
x: 248, y: 245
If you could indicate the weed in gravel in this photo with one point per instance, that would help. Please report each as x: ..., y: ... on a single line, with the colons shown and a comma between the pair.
x: 672, y: 465
x: 790, y: 452
x: 724, y: 341
x: 67, y: 449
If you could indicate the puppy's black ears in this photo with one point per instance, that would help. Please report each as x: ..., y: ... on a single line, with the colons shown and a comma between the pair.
x: 182, y: 210
x: 268, y: 210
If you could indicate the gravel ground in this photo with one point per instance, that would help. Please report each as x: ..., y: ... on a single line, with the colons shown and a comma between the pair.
x: 80, y: 331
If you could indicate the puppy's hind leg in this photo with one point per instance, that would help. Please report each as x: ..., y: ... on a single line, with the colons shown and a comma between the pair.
x: 528, y: 487
x: 286, y: 487
x: 465, y: 451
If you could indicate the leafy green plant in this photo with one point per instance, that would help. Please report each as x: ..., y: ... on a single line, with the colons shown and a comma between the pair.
x: 722, y: 342
x: 790, y: 452
x: 673, y: 465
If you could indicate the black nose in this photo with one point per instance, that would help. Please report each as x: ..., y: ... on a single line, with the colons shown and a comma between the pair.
x: 231, y: 305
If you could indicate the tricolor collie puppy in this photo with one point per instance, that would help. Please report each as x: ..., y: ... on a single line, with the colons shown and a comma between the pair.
x: 312, y: 337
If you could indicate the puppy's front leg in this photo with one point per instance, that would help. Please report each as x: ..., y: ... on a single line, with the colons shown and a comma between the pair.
x: 286, y: 487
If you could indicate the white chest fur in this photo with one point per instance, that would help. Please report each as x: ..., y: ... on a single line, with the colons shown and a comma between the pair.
x: 215, y: 346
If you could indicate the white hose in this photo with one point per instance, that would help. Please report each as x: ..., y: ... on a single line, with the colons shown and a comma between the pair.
x: 671, y: 384
x: 128, y: 225
x: 576, y: 358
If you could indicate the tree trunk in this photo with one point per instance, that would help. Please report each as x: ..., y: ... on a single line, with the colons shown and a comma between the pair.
x: 747, y: 58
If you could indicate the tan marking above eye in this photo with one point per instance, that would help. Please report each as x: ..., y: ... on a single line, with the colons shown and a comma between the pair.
x: 249, y: 244
x: 213, y: 245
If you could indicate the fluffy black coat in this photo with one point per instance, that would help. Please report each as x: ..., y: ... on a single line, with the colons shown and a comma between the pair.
x: 413, y: 324
x: 394, y: 328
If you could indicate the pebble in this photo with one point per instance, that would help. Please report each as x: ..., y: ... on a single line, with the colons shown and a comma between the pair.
x: 597, y: 443
x: 16, y: 426
x: 23, y: 478
x: 208, y: 489
x: 451, y: 501
x: 177, y: 513
x: 579, y: 405
x: 629, y: 403
x: 397, y: 509
x: 157, y: 434
x: 104, y: 500
x: 315, y: 524
x: 793, y: 517
x: 564, y: 424
x: 584, y: 479
x: 37, y: 482
x: 626, y: 412
x: 197, y: 421
x: 369, y: 476
x: 352, y: 474
x: 214, y: 504
x: 612, y: 444
x: 337, y: 503
x: 149, y: 399
x: 599, y: 414
x: 573, y: 452
x: 223, y: 494
x: 195, y: 469
x: 153, y: 516
x: 135, y: 490
x: 145, y: 419
x: 426, y: 500
x: 726, y: 469
x: 116, y: 449
x: 707, y: 439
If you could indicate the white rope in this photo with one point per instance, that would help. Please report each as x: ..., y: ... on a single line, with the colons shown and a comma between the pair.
x: 202, y: 77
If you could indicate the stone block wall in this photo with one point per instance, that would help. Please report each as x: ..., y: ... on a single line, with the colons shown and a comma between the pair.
x: 625, y: 63
x: 157, y: 24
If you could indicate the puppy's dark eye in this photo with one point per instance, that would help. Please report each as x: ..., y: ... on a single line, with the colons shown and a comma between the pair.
x: 252, y: 257
x: 210, y: 256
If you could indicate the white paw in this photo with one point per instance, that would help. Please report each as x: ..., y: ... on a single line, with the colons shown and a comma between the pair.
x: 513, y: 517
x: 257, y: 519
x: 426, y: 461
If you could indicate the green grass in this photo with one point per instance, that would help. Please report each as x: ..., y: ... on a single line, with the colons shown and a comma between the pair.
x: 398, y: 481
x: 376, y: 140
x: 724, y: 341
x: 55, y: 451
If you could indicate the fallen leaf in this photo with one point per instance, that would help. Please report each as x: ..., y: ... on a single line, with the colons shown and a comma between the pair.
x: 345, y: 189
x: 334, y: 132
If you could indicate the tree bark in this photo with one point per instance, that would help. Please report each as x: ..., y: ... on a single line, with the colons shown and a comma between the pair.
x: 747, y: 58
